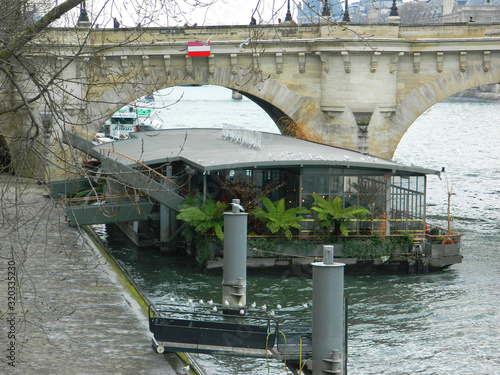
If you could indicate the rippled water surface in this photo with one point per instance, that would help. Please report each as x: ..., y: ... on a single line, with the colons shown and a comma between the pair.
x: 442, y: 323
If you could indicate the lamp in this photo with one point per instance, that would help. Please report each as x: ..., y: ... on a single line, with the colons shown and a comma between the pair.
x: 83, y: 19
x: 394, y: 10
x: 288, y: 17
x: 346, y: 17
x: 326, y: 9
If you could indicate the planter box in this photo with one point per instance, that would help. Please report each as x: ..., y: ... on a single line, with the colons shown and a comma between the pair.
x: 446, y: 250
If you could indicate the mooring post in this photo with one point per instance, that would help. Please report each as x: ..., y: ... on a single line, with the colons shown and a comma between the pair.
x: 234, y: 277
x: 328, y: 338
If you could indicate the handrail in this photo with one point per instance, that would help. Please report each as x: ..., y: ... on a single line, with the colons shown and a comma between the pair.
x: 81, y: 131
x: 99, y: 197
x: 148, y: 168
x: 131, y: 159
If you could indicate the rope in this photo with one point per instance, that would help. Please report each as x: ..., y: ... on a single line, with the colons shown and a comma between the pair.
x: 284, y: 361
x: 300, y: 356
x: 267, y: 356
x: 290, y: 255
x: 301, y: 365
x: 81, y: 131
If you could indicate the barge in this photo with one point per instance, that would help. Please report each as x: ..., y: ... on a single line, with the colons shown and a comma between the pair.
x: 147, y: 181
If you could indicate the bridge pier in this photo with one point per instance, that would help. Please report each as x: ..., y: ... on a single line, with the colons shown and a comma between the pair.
x: 24, y: 145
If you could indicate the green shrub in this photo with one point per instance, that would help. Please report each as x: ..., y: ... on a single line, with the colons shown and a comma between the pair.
x: 277, y: 218
x: 364, y: 248
x: 331, y: 212
x: 434, y: 231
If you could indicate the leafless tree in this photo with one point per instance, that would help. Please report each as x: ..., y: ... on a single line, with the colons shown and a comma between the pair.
x: 34, y: 95
x: 414, y: 12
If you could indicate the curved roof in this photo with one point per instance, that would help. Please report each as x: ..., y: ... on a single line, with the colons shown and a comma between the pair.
x: 207, y: 150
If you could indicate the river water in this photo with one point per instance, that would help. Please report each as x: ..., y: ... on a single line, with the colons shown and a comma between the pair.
x: 442, y: 323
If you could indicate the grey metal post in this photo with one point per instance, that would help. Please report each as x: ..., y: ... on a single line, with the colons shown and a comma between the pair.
x: 167, y: 216
x: 234, y: 278
x: 328, y: 339
x: 164, y: 223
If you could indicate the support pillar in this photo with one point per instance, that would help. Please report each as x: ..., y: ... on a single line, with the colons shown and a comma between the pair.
x: 164, y: 223
x: 234, y: 279
x: 328, y: 336
x: 167, y: 216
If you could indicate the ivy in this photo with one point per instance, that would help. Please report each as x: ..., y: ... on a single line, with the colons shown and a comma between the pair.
x: 270, y: 247
x: 265, y: 247
x: 376, y: 247
x: 207, y: 248
x: 364, y: 249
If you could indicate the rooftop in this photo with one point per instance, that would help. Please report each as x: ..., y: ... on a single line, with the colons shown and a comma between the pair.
x: 217, y: 149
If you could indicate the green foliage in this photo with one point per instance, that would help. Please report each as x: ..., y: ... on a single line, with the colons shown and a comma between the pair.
x: 364, y: 248
x: 398, y: 244
x: 272, y: 247
x: 277, y: 218
x: 405, y: 240
x: 206, y: 249
x: 191, y: 201
x: 375, y: 247
x: 203, y: 218
x: 434, y: 231
x: 332, y: 212
x: 88, y: 193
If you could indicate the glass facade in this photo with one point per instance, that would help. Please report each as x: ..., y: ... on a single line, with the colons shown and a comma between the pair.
x: 407, y: 210
x: 396, y: 203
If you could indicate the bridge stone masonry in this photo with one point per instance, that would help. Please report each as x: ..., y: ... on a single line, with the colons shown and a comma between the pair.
x: 357, y: 86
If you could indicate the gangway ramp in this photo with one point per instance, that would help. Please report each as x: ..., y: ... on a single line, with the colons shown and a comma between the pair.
x: 130, y: 172
x: 212, y: 330
x: 211, y: 333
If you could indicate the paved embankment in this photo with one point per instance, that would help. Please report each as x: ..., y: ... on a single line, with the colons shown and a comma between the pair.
x: 63, y: 309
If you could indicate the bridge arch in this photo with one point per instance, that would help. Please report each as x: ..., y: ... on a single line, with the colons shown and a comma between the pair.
x: 286, y: 107
x: 420, y: 99
x: 359, y: 88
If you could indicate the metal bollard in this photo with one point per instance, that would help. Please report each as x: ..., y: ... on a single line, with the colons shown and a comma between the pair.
x: 234, y: 278
x: 328, y: 337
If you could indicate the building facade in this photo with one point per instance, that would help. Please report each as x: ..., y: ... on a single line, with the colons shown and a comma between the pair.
x: 483, y: 11
x: 309, y: 11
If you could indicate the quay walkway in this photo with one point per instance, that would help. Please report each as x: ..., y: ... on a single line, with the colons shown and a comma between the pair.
x: 63, y: 308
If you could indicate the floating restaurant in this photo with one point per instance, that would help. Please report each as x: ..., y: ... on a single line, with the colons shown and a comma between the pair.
x: 145, y: 181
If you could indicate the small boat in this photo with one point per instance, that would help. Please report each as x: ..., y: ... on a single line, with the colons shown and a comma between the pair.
x: 129, y: 119
x: 149, y: 98
x: 236, y: 95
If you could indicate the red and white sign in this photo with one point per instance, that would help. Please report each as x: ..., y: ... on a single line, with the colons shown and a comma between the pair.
x: 199, y: 48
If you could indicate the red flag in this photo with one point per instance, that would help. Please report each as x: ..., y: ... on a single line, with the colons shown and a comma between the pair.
x: 198, y: 49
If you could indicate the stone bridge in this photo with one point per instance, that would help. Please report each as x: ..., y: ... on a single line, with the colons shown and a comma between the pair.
x: 357, y: 86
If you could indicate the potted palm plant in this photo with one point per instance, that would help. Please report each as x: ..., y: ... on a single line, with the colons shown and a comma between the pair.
x: 203, y: 220
x: 331, y: 212
x: 277, y: 218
